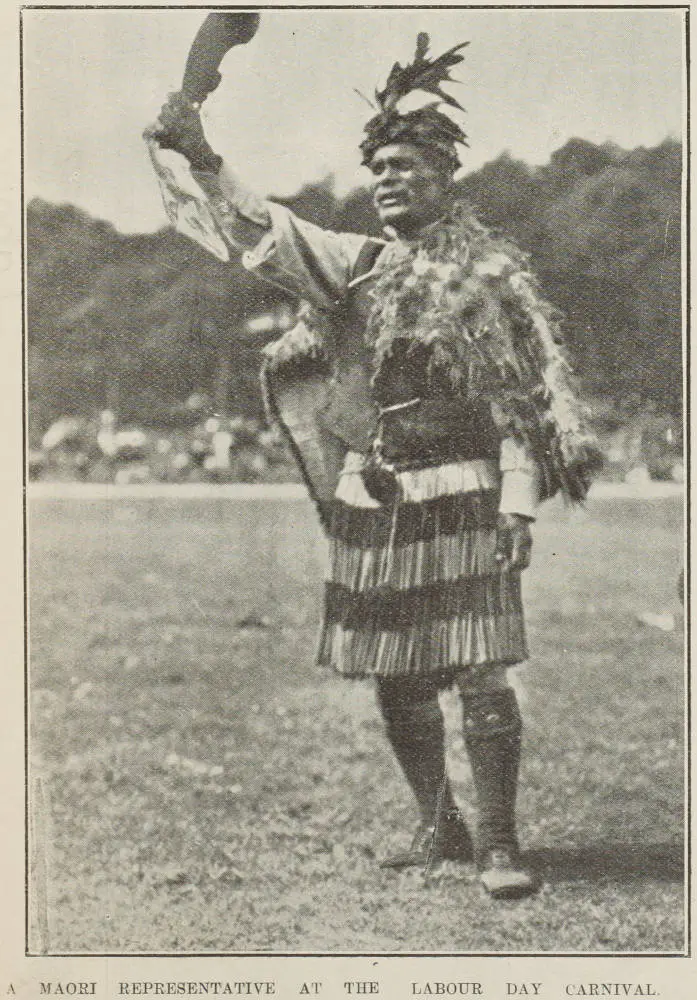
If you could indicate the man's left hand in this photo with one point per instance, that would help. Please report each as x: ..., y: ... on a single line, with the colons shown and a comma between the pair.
x: 513, y: 542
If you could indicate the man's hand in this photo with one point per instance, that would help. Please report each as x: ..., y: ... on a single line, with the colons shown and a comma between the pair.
x: 179, y: 127
x: 513, y: 542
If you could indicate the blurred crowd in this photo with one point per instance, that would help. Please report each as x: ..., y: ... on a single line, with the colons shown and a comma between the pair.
x: 640, y: 442
x: 198, y: 445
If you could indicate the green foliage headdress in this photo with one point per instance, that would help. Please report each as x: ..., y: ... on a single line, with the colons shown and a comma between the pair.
x: 427, y: 126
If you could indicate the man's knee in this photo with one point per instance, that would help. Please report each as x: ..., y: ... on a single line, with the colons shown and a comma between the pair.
x: 489, y: 704
x: 492, y: 714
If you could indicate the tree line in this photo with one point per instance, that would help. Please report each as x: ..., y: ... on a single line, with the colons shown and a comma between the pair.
x: 136, y: 323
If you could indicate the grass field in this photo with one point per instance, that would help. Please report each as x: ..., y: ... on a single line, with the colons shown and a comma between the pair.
x: 206, y: 788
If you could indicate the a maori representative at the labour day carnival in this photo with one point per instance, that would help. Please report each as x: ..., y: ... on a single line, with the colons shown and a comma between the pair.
x: 428, y: 402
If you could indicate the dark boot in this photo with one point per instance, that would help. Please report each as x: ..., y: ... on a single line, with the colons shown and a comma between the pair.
x: 492, y: 737
x: 451, y: 841
x: 414, y: 727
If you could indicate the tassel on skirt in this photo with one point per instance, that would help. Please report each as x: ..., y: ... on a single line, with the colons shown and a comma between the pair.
x: 414, y: 587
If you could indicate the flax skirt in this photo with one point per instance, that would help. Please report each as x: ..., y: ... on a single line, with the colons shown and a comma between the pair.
x: 413, y: 588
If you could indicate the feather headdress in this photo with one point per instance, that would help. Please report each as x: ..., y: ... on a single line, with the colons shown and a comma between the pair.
x: 425, y: 126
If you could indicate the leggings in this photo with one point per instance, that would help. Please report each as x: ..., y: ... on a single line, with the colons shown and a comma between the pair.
x: 395, y: 693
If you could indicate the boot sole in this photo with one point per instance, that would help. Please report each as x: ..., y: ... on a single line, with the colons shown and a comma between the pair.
x: 420, y: 859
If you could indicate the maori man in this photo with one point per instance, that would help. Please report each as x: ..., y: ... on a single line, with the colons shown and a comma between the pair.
x: 428, y: 404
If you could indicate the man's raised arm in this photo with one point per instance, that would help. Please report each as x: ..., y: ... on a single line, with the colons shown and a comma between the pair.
x: 245, y: 216
x: 281, y: 248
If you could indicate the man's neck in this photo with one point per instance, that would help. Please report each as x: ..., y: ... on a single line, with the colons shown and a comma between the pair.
x: 410, y: 233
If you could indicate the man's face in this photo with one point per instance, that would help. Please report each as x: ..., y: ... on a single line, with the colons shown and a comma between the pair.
x: 408, y: 191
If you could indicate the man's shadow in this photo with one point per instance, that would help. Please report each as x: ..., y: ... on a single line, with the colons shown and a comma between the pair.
x: 609, y: 861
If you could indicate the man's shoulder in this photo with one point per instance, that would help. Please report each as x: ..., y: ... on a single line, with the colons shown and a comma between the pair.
x: 481, y: 242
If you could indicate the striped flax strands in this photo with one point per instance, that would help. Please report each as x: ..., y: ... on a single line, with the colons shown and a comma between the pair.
x: 415, y: 588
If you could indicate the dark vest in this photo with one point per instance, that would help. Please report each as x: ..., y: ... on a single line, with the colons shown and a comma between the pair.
x: 436, y: 425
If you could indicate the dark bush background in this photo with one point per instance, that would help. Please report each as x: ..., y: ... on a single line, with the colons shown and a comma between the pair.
x: 136, y: 323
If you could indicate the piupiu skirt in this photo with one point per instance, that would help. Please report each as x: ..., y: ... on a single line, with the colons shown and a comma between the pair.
x: 413, y: 586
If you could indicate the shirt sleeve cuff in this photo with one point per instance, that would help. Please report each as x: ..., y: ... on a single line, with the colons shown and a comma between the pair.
x: 520, y: 492
x: 520, y: 479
